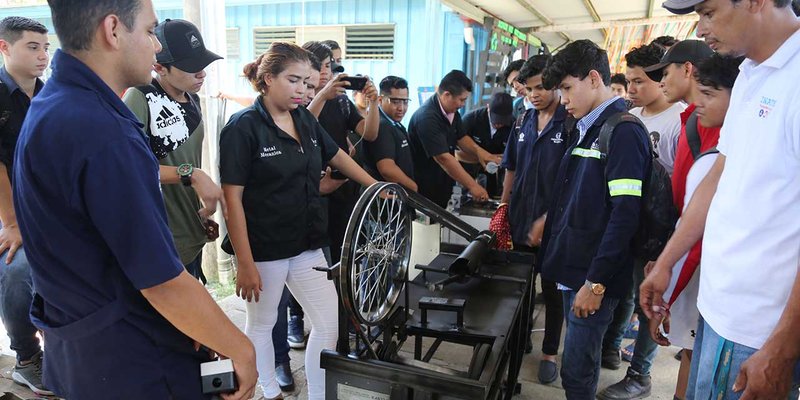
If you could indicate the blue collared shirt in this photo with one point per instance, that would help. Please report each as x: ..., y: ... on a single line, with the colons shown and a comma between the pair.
x: 588, y: 120
x: 583, y: 126
x: 92, y: 217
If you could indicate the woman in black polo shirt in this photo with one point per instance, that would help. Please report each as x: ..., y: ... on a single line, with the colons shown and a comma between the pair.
x: 271, y: 155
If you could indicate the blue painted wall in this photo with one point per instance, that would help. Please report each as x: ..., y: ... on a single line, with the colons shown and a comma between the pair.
x: 429, y: 39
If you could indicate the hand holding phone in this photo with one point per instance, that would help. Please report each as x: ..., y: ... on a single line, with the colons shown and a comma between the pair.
x: 357, y: 83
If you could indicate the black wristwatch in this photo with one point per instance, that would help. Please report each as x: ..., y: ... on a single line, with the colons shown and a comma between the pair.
x: 185, y: 172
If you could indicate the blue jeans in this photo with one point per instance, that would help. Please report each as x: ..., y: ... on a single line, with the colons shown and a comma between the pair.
x: 16, y: 296
x: 645, y: 350
x: 280, y: 332
x: 580, y: 368
x: 707, y: 360
x: 622, y: 316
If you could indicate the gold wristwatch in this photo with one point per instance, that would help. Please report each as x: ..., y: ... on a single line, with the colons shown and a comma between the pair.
x: 597, y: 288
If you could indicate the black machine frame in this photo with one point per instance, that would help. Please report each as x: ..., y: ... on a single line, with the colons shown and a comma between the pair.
x: 468, y: 295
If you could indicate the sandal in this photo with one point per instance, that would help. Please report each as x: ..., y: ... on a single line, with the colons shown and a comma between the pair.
x: 632, y: 331
x: 627, y: 352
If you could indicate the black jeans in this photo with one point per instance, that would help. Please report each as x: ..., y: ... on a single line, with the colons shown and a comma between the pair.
x: 554, y: 310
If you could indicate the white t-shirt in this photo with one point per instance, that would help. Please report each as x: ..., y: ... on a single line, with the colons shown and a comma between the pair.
x: 684, y: 314
x: 751, y: 247
x: 664, y: 127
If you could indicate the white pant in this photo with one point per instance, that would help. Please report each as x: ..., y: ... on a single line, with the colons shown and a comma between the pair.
x: 316, y: 294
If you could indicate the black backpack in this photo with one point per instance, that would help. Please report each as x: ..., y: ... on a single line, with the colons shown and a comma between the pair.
x: 658, y: 214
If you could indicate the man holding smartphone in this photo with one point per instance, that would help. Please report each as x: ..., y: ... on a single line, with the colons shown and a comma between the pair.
x: 339, y: 116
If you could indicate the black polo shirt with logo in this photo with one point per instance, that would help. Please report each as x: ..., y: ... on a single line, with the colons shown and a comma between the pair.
x: 340, y: 116
x: 476, y: 125
x: 15, y: 106
x: 281, y: 199
x: 432, y: 134
x: 391, y: 143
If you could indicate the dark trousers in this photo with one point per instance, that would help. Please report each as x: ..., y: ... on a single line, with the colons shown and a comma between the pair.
x: 554, y: 309
x: 645, y: 350
x: 16, y: 295
x: 340, y: 206
x: 280, y: 331
x: 553, y: 317
x: 580, y: 368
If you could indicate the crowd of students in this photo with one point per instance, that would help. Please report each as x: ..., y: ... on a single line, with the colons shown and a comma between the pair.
x: 104, y: 185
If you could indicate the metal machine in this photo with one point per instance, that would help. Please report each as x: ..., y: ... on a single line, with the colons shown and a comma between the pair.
x: 470, y: 295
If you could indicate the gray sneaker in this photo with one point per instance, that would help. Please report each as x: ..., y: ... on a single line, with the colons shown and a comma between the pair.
x: 30, y: 375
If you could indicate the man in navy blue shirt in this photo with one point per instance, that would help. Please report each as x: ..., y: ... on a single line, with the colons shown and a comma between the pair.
x: 535, y: 148
x: 121, y: 315
x: 594, y: 214
x: 24, y: 45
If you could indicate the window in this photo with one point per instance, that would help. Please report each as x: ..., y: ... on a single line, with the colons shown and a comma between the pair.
x: 369, y: 42
x: 233, y: 43
x: 263, y: 37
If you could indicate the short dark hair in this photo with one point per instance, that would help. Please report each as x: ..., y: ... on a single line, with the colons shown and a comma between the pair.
x: 319, y: 50
x: 334, y: 45
x: 665, y: 41
x: 576, y: 59
x: 718, y: 71
x: 314, y: 62
x: 455, y: 82
x: 532, y: 67
x: 12, y: 28
x: 796, y: 7
x: 515, y: 65
x: 645, y: 56
x: 620, y: 80
x: 77, y: 20
x: 392, y: 82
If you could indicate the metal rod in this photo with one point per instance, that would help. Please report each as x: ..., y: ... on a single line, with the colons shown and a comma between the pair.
x: 432, y: 350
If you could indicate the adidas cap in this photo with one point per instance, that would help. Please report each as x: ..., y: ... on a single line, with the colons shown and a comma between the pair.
x: 182, y: 46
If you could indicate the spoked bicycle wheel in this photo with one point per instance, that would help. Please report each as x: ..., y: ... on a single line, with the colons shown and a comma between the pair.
x: 376, y: 253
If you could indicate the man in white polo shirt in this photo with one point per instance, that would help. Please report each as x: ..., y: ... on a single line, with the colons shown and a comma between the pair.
x: 749, y: 206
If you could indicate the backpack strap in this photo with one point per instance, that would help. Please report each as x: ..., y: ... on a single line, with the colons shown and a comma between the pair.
x: 604, y: 139
x: 712, y: 150
x: 569, y: 126
x: 692, y: 135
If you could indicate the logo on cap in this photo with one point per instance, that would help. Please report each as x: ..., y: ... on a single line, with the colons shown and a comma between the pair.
x: 194, y: 41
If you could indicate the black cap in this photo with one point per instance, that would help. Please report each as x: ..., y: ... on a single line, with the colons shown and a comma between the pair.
x: 182, y: 46
x: 681, y: 6
x: 501, y: 109
x: 337, y: 68
x: 692, y: 51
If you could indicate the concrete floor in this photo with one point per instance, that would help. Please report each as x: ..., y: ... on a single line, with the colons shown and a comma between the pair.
x: 665, y: 368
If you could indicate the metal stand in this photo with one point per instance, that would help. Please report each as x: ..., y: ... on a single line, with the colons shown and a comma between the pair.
x: 472, y: 296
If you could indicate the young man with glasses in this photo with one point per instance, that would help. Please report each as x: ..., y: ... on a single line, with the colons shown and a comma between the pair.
x: 388, y: 158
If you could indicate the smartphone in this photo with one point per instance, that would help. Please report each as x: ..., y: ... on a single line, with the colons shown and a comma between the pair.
x: 356, y: 82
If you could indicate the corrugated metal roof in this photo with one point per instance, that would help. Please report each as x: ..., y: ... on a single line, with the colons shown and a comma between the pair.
x: 575, y: 19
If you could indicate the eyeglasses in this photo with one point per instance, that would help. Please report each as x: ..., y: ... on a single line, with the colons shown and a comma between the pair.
x: 398, y: 101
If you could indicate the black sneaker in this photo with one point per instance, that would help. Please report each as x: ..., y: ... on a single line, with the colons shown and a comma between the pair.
x: 633, y: 386
x: 611, y: 359
x: 29, y: 373
x: 296, y: 335
x: 283, y: 374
